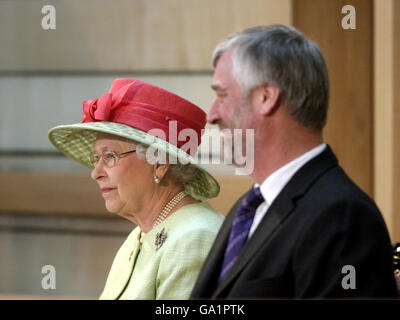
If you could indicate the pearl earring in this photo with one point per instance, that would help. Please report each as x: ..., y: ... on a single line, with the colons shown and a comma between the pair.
x: 156, y: 180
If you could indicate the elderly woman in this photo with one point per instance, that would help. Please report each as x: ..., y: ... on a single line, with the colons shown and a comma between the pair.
x: 124, y: 136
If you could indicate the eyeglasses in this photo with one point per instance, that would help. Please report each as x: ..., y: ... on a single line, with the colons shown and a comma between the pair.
x: 109, y: 157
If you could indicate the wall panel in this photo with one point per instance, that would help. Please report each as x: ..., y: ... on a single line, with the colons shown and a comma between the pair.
x: 80, y: 249
x: 348, y: 54
x: 387, y: 112
x: 127, y: 35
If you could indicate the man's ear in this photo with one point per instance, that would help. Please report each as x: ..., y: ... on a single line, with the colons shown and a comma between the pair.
x: 267, y: 98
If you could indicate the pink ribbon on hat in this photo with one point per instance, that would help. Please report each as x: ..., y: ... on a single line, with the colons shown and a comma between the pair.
x: 101, y: 109
x: 98, y: 109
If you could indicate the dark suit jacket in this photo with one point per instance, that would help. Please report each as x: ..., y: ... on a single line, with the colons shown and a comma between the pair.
x: 319, y: 223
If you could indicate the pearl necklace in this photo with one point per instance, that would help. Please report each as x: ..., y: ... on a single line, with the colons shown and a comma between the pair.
x: 169, y: 206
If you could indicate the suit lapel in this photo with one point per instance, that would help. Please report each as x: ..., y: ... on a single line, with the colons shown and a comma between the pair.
x: 279, y: 210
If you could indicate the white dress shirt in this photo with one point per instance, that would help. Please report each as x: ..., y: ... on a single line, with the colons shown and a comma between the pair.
x: 274, y: 184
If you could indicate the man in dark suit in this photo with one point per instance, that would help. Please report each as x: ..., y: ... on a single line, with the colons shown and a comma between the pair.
x: 304, y: 230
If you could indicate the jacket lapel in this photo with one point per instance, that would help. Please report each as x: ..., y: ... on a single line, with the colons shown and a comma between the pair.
x: 279, y: 210
x: 122, y: 267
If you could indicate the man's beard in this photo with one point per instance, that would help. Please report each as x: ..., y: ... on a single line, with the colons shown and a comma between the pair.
x: 235, y: 143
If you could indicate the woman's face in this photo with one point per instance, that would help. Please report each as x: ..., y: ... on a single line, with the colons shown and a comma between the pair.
x: 125, y: 186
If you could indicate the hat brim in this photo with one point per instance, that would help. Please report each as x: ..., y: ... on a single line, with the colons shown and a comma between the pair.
x: 77, y: 142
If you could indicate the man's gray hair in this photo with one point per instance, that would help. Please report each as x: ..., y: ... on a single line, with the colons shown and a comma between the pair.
x: 281, y: 56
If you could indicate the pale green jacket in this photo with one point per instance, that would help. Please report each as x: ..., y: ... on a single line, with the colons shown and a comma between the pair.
x: 141, y: 271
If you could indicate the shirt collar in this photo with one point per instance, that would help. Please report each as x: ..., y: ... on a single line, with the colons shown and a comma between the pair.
x: 274, y: 184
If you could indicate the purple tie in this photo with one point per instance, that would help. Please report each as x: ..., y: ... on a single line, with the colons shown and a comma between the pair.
x: 240, y: 229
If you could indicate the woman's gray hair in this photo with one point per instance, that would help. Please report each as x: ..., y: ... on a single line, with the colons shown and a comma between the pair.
x: 281, y: 56
x: 179, y: 173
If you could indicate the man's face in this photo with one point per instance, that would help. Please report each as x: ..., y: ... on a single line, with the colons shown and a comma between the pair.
x: 230, y: 109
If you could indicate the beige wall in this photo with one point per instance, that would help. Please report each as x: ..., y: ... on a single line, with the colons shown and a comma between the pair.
x: 348, y: 54
x: 81, y: 249
x: 126, y: 35
x: 387, y: 112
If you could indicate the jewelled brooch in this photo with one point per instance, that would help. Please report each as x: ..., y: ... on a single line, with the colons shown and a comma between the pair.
x: 160, y: 238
